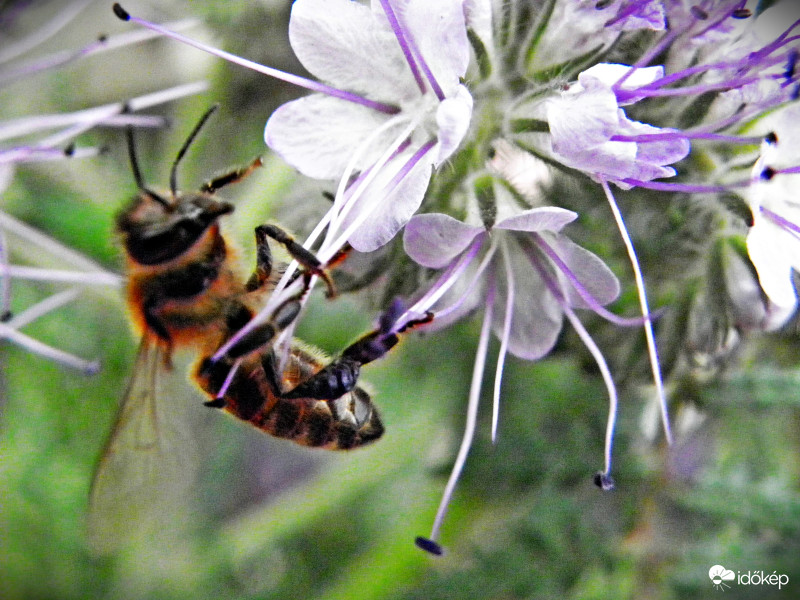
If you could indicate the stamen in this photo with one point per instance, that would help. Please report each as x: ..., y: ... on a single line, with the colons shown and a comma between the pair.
x: 404, y: 44
x: 453, y: 272
x: 102, y: 44
x: 326, y: 254
x: 48, y: 245
x: 555, y: 289
x: 309, y: 84
x: 780, y: 221
x: 61, y: 276
x: 228, y: 379
x: 689, y: 135
x: 689, y: 188
x: 409, y: 46
x: 5, y: 281
x: 42, y: 349
x: 613, y: 401
x: 287, y: 286
x: 504, y: 339
x: 587, y: 297
x: 40, y: 309
x: 648, y: 325
x: 469, y: 428
x: 43, y: 33
x: 80, y: 121
x: 439, y: 315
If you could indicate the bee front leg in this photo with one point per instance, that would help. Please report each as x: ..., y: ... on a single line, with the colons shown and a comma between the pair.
x: 310, y: 263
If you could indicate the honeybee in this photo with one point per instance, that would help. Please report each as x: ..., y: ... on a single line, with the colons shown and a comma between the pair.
x: 184, y: 291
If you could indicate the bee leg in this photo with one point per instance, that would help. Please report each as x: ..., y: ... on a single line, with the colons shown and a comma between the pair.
x: 310, y: 263
x: 232, y: 177
x: 263, y: 263
x: 264, y: 333
x: 330, y: 383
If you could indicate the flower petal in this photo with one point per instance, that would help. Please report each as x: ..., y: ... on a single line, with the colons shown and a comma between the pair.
x: 440, y: 33
x: 589, y: 269
x: 452, y: 118
x: 537, y: 316
x: 772, y: 256
x: 389, y: 210
x: 318, y: 134
x: 434, y: 240
x: 546, y: 218
x: 582, y: 117
x: 344, y: 44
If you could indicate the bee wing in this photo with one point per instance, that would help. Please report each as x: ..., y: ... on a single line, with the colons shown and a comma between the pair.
x: 149, y: 463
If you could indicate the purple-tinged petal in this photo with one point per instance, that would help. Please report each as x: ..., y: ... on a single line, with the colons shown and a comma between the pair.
x: 546, y: 218
x: 452, y: 118
x: 661, y: 152
x: 342, y: 43
x: 589, y: 269
x: 441, y: 37
x: 434, y: 240
x: 478, y: 17
x: 318, y: 134
x: 582, y: 117
x: 609, y: 73
x: 766, y: 245
x: 389, y: 210
x: 537, y: 314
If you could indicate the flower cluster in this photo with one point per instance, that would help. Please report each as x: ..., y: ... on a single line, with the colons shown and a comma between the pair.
x: 461, y: 123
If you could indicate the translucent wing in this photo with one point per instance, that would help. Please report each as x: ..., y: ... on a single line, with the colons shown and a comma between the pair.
x: 149, y: 465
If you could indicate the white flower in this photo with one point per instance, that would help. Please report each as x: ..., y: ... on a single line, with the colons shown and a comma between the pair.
x: 590, y: 133
x: 773, y: 242
x: 411, y: 66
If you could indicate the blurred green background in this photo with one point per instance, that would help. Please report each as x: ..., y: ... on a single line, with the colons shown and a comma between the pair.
x: 271, y: 520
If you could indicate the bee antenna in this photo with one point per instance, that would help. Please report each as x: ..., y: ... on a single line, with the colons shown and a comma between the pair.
x: 173, y: 176
x: 137, y: 173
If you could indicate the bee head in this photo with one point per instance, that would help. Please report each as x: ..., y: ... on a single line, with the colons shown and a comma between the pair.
x: 156, y: 231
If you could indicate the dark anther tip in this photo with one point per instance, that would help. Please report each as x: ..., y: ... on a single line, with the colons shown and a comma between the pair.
x: 102, y: 38
x: 6, y: 316
x: 698, y: 13
x: 767, y: 174
x: 216, y: 403
x: 604, y: 481
x: 121, y: 12
x: 771, y: 138
x: 429, y: 546
x: 70, y: 149
x: 742, y: 13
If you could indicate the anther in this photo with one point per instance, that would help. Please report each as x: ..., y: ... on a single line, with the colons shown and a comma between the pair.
x: 791, y: 64
x: 698, y: 13
x: 768, y: 173
x: 742, y: 13
x: 428, y: 545
x: 604, y: 481
x: 771, y: 138
x: 216, y: 403
x: 121, y: 12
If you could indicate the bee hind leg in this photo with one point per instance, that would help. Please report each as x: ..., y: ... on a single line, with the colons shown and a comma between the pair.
x: 340, y: 376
